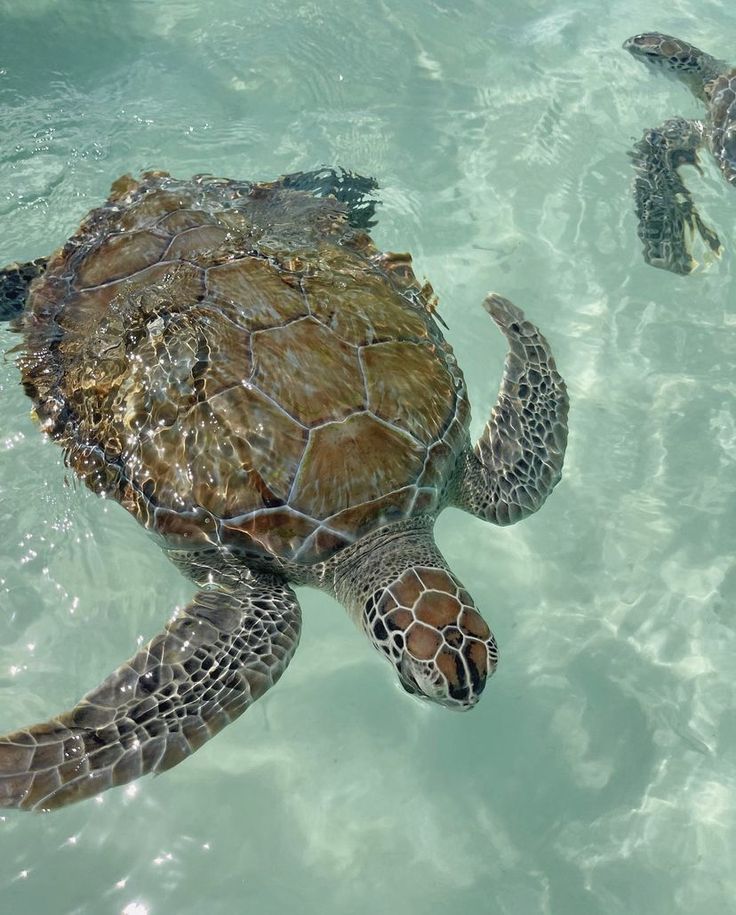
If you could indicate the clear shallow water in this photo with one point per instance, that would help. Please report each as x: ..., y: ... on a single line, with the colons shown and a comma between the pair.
x: 598, y: 774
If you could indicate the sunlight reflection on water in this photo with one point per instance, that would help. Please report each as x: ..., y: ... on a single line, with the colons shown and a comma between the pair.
x: 598, y: 773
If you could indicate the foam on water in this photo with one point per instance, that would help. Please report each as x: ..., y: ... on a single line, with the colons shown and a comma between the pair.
x: 598, y: 774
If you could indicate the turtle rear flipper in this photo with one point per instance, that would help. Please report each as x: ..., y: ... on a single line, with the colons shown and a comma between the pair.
x: 213, y: 660
x: 14, y: 282
x: 668, y: 219
x: 351, y: 189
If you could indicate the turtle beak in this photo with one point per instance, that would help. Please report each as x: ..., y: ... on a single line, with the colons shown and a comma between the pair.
x: 424, y: 689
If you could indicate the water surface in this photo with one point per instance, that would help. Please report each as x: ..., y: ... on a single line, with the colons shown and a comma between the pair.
x: 598, y: 774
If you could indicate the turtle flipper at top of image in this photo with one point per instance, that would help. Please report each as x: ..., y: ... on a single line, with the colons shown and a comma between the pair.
x: 668, y: 218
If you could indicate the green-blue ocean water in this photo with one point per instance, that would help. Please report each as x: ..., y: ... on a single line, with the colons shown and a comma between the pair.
x: 597, y: 776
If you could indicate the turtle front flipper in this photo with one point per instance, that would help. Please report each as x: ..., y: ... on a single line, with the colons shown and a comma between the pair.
x: 518, y: 459
x: 347, y: 187
x: 215, y: 658
x: 15, y: 280
x: 667, y: 216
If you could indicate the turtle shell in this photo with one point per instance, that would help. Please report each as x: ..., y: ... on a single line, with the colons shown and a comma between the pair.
x: 237, y: 366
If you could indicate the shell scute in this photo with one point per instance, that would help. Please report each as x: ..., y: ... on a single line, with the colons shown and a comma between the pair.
x: 180, y: 220
x: 354, y: 522
x: 150, y: 209
x: 363, y: 311
x: 197, y: 242
x: 280, y: 532
x: 353, y: 462
x: 309, y: 371
x: 228, y: 470
x: 118, y: 256
x: 400, y: 373
x: 256, y: 296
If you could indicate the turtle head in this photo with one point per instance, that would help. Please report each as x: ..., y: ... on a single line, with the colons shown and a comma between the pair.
x: 396, y: 585
x: 676, y: 58
x: 427, y: 625
x: 660, y: 50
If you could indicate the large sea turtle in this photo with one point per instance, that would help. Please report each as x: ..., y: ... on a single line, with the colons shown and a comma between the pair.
x: 668, y: 219
x: 271, y: 396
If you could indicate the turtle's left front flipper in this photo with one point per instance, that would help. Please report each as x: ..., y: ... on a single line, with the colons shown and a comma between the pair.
x: 518, y: 459
x: 668, y: 219
x: 15, y: 280
x: 213, y: 660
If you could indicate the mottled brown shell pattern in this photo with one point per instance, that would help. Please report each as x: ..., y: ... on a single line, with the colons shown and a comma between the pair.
x: 239, y: 367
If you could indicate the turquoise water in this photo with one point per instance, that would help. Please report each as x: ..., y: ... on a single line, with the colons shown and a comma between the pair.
x: 598, y: 774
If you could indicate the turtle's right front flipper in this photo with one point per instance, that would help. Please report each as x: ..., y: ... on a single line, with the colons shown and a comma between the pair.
x: 15, y: 280
x: 517, y: 461
x: 667, y: 216
x: 213, y: 660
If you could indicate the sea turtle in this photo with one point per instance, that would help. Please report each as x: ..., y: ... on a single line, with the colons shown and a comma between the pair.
x: 270, y: 395
x: 668, y: 219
